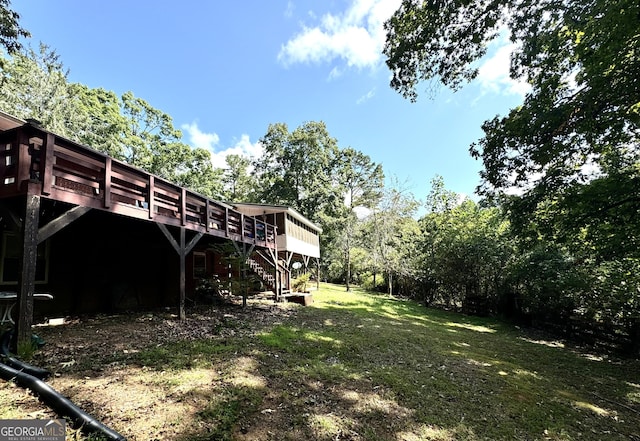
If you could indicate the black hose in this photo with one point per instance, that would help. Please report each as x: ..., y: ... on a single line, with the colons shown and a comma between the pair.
x: 17, y: 364
x: 60, y: 405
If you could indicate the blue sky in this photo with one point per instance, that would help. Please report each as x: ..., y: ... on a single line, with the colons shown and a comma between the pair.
x: 225, y: 70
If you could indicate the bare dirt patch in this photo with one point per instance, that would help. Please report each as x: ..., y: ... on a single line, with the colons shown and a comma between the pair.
x: 96, y: 363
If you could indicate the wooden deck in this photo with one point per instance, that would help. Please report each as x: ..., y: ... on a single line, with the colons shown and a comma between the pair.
x: 36, y: 164
x: 34, y: 161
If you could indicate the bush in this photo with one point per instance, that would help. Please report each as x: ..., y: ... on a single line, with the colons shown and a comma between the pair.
x: 300, y: 284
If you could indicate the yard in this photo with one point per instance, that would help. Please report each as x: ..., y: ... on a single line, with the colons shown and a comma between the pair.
x: 354, y: 366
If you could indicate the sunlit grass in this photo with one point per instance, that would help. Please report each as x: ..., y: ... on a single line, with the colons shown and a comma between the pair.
x: 363, y: 366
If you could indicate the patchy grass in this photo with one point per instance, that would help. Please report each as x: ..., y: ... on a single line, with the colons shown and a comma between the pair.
x: 354, y: 366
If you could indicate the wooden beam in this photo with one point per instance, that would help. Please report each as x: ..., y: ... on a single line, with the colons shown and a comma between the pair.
x: 6, y: 213
x: 169, y: 236
x: 182, y: 314
x: 27, y: 275
x: 183, y: 249
x: 289, y: 255
x: 60, y: 222
x: 192, y: 243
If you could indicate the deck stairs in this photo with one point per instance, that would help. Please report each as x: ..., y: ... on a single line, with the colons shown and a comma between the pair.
x: 264, y: 268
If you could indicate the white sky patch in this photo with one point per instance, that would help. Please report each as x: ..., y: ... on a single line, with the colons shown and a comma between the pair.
x: 493, y: 73
x: 288, y: 12
x: 209, y: 141
x: 199, y: 139
x: 367, y: 96
x: 356, y: 36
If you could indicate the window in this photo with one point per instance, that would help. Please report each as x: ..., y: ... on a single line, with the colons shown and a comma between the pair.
x: 199, y: 265
x: 11, y: 255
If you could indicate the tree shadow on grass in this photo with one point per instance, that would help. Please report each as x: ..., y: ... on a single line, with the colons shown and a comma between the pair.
x: 475, y: 378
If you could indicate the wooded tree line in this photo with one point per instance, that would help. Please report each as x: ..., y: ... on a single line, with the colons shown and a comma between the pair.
x: 555, y: 238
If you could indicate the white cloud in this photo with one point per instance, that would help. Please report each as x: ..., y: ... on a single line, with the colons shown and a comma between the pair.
x: 288, y: 13
x: 356, y: 36
x: 493, y: 73
x: 209, y: 141
x: 199, y: 139
x: 367, y: 96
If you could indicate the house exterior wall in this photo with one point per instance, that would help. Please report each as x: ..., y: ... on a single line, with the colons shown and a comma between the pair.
x: 106, y: 263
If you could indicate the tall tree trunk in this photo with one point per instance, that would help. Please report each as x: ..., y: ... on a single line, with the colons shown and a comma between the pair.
x: 348, y: 259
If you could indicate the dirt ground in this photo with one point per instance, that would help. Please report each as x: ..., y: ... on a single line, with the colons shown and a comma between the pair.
x: 93, y: 363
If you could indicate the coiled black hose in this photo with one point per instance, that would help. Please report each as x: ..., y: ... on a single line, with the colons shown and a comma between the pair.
x: 13, y: 362
x: 49, y: 396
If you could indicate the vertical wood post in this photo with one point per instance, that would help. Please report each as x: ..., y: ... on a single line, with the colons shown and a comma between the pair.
x: 27, y: 275
x: 207, y: 214
x: 183, y: 206
x: 23, y: 158
x: 107, y: 183
x: 151, y: 190
x: 46, y: 162
x: 226, y: 221
x: 183, y: 278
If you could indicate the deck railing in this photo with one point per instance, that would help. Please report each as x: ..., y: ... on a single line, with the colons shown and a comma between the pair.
x: 65, y: 171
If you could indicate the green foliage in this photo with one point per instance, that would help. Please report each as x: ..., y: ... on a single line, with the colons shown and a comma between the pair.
x: 574, y: 141
x: 33, y: 84
x: 296, y: 168
x: 239, y: 184
x: 564, y: 166
x: 10, y: 29
x: 300, y: 283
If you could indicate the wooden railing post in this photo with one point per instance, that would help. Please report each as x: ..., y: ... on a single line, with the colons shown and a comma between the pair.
x: 107, y: 183
x: 46, y: 163
x: 226, y: 220
x: 207, y: 213
x: 151, y: 190
x: 255, y: 229
x: 183, y: 206
x: 23, y: 158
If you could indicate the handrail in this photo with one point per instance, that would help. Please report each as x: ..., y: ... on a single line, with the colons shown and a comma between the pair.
x: 77, y: 174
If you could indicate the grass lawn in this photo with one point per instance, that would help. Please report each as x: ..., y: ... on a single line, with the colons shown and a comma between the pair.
x: 354, y: 366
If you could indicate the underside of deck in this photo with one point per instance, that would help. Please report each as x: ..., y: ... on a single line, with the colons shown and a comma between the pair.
x: 40, y: 170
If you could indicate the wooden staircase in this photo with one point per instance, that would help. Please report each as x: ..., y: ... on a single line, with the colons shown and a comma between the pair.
x: 264, y: 268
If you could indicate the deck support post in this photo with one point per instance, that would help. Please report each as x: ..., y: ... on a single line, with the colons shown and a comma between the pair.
x: 273, y: 254
x: 245, y: 254
x: 27, y: 274
x: 183, y: 249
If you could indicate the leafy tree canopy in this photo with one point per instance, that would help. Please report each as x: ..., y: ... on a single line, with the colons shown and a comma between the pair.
x: 579, y: 123
x: 297, y: 167
x: 34, y: 84
x: 10, y: 29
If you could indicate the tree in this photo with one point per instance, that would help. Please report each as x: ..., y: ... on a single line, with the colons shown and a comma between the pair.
x: 10, y: 29
x: 362, y: 181
x: 238, y: 183
x: 297, y: 168
x: 33, y: 84
x: 581, y: 59
x: 393, y: 232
